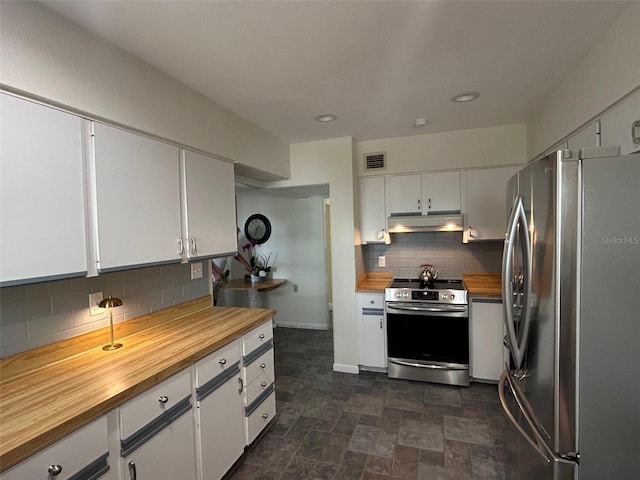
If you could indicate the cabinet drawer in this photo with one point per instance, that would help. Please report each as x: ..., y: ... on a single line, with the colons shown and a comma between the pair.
x: 264, y: 379
x: 370, y: 300
x: 83, y: 454
x: 142, y: 409
x: 257, y: 337
x: 261, y: 364
x: 217, y: 362
x: 260, y: 417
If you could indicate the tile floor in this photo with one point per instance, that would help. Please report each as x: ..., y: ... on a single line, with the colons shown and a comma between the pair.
x: 338, y: 426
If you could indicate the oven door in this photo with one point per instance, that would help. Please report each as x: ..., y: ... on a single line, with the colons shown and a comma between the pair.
x: 428, y: 342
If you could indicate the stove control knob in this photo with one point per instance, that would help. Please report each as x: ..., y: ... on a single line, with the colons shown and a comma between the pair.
x: 451, y: 296
x: 444, y: 296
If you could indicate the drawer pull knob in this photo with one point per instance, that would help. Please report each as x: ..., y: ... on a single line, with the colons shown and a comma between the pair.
x: 263, y: 384
x: 265, y: 415
x: 163, y: 399
x: 54, y: 470
x: 261, y: 336
x: 222, y: 362
x: 263, y: 365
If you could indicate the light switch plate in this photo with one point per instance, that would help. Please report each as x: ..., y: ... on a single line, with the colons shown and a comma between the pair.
x: 382, y: 261
x: 94, y: 300
x: 196, y: 270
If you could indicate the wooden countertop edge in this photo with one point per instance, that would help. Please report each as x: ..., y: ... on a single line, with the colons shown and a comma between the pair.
x: 373, y: 282
x: 20, y: 450
x: 483, y: 285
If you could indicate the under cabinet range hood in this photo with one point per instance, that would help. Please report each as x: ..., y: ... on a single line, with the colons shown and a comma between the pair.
x: 425, y: 223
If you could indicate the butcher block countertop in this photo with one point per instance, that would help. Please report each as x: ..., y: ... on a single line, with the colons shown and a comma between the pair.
x: 373, y: 282
x: 483, y: 284
x: 49, y: 392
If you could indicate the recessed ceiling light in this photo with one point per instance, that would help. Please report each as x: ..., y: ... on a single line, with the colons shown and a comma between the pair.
x: 327, y: 117
x: 419, y: 122
x: 465, y: 97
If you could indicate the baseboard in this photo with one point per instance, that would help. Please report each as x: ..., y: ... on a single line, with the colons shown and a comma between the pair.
x: 341, y: 367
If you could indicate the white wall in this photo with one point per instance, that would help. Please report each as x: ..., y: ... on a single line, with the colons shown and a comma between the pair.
x: 297, y: 250
x: 44, y: 55
x: 331, y: 162
x: 480, y: 147
x: 606, y: 74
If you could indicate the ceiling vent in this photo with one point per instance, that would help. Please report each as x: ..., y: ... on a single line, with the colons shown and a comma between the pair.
x: 375, y: 161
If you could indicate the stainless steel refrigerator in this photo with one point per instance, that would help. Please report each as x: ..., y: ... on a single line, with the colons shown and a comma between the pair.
x: 571, y: 295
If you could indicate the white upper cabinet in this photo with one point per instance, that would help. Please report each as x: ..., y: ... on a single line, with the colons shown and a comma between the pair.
x: 42, y: 213
x: 620, y: 125
x: 485, y: 203
x: 373, y: 217
x: 403, y: 194
x: 440, y: 193
x: 208, y: 194
x: 585, y: 138
x: 137, y: 188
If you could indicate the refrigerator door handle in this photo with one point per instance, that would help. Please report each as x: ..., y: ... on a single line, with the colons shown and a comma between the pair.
x: 537, y: 442
x: 518, y: 217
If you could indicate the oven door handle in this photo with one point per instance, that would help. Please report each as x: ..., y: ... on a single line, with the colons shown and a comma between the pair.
x: 425, y: 365
x: 448, y: 308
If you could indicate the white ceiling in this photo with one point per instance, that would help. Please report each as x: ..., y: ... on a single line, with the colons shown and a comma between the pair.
x: 378, y: 65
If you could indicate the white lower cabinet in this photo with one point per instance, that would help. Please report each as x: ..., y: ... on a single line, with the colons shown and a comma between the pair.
x: 220, y: 413
x: 488, y: 354
x: 259, y: 380
x: 372, y: 331
x: 157, y: 432
x: 83, y: 455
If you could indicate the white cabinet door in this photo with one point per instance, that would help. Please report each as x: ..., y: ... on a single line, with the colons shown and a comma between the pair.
x: 83, y: 454
x: 169, y: 454
x: 585, y: 138
x: 373, y: 351
x: 42, y: 213
x: 373, y: 216
x: 440, y: 193
x: 488, y: 354
x: 137, y: 186
x: 617, y: 124
x: 157, y: 431
x: 208, y: 196
x: 485, y: 211
x: 403, y: 194
x: 220, y: 411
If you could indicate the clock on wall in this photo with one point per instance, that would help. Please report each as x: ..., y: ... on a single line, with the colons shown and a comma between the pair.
x: 257, y: 228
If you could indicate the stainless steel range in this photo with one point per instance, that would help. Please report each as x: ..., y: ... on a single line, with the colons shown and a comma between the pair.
x: 428, y: 331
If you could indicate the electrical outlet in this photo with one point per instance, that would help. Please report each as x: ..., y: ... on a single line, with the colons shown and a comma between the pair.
x: 94, y: 300
x: 295, y: 288
x: 382, y: 261
x: 196, y: 270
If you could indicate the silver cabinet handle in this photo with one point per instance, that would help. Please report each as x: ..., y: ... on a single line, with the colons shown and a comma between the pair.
x: 261, y: 336
x: 222, y: 362
x: 380, y: 324
x: 163, y: 399
x: 241, y: 385
x: 263, y: 384
x: 263, y: 365
x: 132, y: 470
x: 54, y: 470
x: 180, y: 246
x: 635, y: 132
x: 419, y: 206
x: 265, y: 415
x: 193, y: 246
x: 429, y: 204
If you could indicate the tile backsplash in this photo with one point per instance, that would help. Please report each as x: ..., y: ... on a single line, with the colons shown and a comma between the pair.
x: 444, y: 250
x: 40, y: 313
